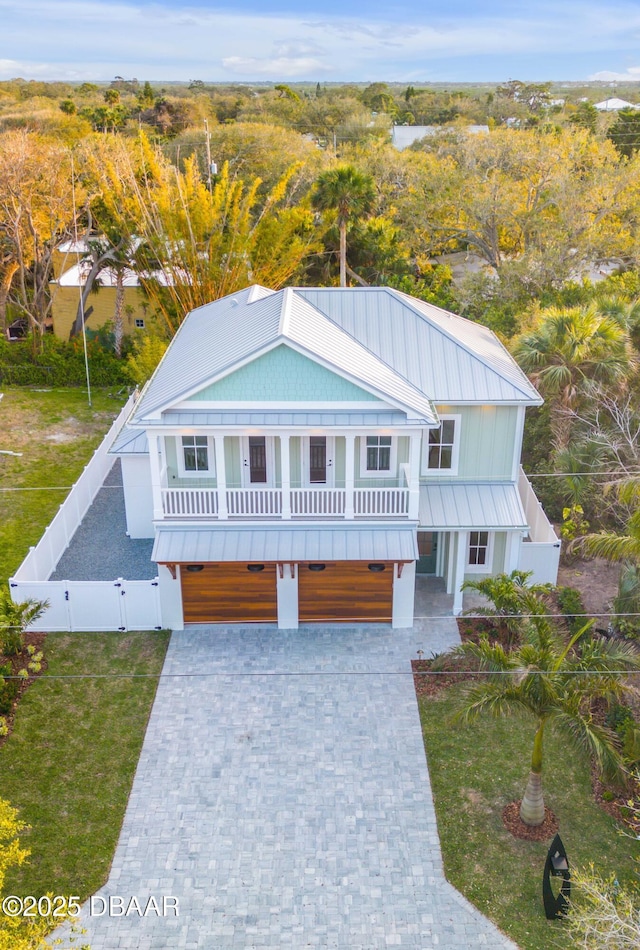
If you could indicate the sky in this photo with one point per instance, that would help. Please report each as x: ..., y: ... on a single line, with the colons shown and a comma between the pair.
x: 320, y: 40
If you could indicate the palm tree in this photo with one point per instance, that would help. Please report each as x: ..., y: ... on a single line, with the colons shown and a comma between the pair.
x: 555, y: 682
x: 15, y: 618
x: 350, y: 194
x: 618, y: 547
x: 568, y: 348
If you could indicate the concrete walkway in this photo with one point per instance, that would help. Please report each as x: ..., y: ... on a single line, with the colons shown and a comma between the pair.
x: 283, y: 798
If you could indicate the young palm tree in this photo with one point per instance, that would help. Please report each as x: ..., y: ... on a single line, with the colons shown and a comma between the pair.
x: 618, y: 547
x: 15, y: 618
x: 351, y: 195
x: 555, y: 682
x: 567, y: 349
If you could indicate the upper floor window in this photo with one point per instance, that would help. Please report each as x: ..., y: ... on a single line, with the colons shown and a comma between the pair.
x: 196, y: 454
x: 377, y: 454
x: 441, y: 447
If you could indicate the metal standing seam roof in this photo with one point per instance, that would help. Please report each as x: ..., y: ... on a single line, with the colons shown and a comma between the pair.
x: 207, y: 417
x: 215, y: 338
x: 471, y: 506
x: 280, y: 544
x: 130, y: 442
x: 452, y: 359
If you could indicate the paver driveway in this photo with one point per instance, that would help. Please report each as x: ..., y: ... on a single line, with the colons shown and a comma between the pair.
x: 283, y: 797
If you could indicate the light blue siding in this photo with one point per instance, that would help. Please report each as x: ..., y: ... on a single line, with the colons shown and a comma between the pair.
x: 283, y: 375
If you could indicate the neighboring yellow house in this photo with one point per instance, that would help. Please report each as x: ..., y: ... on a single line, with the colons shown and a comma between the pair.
x: 100, y: 306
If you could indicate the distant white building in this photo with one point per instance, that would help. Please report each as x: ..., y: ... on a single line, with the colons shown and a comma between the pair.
x: 614, y: 104
x: 402, y: 136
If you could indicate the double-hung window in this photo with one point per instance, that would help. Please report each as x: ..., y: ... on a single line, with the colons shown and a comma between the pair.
x: 377, y: 454
x: 440, y: 447
x: 196, y: 455
x: 480, y: 552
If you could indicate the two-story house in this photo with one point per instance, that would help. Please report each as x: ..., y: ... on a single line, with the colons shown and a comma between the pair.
x: 301, y: 455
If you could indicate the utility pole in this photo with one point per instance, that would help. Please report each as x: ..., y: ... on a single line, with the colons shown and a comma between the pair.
x: 208, y: 142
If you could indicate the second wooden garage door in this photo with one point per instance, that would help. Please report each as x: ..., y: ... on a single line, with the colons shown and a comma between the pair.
x: 345, y: 590
x: 229, y: 593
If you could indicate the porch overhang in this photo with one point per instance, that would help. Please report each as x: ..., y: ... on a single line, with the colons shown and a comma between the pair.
x: 471, y: 507
x: 285, y: 545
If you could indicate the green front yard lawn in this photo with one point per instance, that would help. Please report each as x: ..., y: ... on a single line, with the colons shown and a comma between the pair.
x: 56, y: 432
x: 477, y: 770
x: 69, y: 764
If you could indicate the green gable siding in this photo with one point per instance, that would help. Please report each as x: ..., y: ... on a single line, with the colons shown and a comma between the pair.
x: 283, y: 375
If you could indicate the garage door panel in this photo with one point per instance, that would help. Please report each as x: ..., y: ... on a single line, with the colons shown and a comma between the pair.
x: 229, y: 593
x: 345, y: 590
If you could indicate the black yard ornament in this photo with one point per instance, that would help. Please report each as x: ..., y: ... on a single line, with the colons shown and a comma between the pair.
x: 556, y: 865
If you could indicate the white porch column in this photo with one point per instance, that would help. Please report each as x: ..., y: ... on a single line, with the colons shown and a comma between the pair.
x: 404, y: 589
x: 154, y: 463
x: 458, y: 573
x: 285, y: 466
x: 221, y: 477
x: 414, y: 477
x: 349, y: 474
x: 287, y: 592
x: 440, y: 554
x: 450, y: 538
x: 512, y: 551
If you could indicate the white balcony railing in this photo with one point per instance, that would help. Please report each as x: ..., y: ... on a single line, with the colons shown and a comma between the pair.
x: 254, y: 502
x: 315, y: 502
x: 380, y: 501
x: 268, y: 503
x: 190, y: 502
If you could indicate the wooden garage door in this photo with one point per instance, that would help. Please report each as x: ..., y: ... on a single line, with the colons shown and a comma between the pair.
x: 345, y: 590
x: 230, y: 593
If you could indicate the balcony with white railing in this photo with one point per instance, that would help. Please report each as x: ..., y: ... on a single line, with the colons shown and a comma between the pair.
x: 276, y: 503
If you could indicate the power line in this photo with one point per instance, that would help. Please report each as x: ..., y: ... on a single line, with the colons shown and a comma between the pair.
x: 299, y: 673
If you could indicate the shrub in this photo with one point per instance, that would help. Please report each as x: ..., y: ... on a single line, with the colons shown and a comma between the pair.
x: 59, y: 363
x: 571, y: 605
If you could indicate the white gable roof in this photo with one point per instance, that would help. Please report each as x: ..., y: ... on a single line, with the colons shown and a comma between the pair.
x: 217, y: 338
x: 408, y: 352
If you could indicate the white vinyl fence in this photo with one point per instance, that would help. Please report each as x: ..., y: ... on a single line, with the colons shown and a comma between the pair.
x: 85, y: 605
x: 541, y: 553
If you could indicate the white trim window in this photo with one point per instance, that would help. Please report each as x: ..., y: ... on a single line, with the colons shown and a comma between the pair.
x: 441, y: 447
x: 195, y: 456
x: 377, y: 455
x: 480, y: 552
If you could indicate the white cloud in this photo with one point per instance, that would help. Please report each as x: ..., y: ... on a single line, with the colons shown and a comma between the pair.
x: 97, y: 39
x: 606, y: 75
x: 288, y: 67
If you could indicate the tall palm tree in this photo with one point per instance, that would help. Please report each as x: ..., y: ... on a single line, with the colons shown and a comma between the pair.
x: 567, y: 349
x: 351, y: 194
x: 555, y: 682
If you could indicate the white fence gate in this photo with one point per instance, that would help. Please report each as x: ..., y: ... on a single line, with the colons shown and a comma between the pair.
x: 85, y: 605
x: 94, y: 605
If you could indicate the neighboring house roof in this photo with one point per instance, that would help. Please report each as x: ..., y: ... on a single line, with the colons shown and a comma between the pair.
x: 277, y: 543
x: 76, y: 276
x: 613, y: 104
x: 224, y: 335
x: 402, y: 136
x: 490, y: 507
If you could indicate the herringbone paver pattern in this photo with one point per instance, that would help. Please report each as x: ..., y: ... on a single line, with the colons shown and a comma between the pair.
x: 283, y: 797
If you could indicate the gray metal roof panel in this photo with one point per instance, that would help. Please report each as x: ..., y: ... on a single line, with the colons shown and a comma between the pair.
x: 130, y: 442
x: 214, y: 338
x: 446, y: 356
x: 207, y: 417
x: 471, y: 506
x: 285, y: 544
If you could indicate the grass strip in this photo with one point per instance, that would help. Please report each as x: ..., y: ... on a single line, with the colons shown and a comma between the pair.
x: 69, y: 764
x: 475, y: 771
